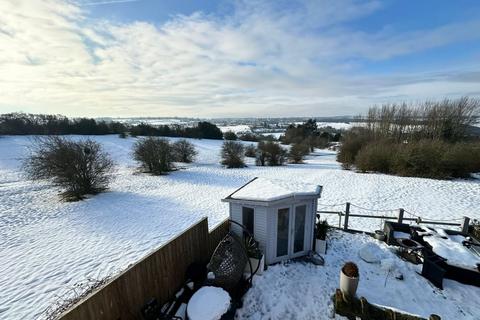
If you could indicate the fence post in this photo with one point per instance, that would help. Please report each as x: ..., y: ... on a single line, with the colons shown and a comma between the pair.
x: 347, y: 213
x: 465, y: 224
x: 400, y: 215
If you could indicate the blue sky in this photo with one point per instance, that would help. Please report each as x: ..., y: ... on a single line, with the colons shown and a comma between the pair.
x: 234, y: 58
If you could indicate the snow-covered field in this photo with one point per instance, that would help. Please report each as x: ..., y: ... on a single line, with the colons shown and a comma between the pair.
x: 304, y: 291
x: 241, y: 128
x: 47, y: 245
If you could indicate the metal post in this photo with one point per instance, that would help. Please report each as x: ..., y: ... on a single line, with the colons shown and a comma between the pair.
x: 347, y: 213
x: 400, y: 215
x: 465, y: 224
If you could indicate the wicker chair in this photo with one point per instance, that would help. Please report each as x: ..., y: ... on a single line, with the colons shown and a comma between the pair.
x: 228, y: 262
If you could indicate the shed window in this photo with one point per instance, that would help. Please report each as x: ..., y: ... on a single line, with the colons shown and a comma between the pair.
x: 247, y: 218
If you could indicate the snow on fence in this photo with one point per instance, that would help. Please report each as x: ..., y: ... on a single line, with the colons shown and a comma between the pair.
x: 463, y: 223
x: 160, y: 274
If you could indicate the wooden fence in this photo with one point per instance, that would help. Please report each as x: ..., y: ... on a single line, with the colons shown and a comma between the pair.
x: 463, y: 223
x: 160, y: 274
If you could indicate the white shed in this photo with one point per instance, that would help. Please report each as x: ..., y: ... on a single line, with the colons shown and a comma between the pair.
x: 280, y: 215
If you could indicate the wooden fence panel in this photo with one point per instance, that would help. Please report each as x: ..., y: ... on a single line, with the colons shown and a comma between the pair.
x: 216, y: 235
x: 160, y: 274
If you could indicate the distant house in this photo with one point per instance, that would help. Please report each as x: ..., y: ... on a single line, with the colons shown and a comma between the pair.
x: 280, y: 215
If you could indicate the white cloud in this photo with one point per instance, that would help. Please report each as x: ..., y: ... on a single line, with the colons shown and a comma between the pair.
x: 264, y: 59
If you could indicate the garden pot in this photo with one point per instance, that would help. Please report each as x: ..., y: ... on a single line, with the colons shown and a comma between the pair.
x: 256, y: 262
x: 320, y: 246
x: 348, y: 285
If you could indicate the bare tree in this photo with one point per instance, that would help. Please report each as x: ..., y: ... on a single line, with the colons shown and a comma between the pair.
x: 250, y: 151
x: 154, y: 154
x: 79, y: 167
x: 233, y: 154
x: 270, y: 153
x: 184, y: 151
x: 446, y: 120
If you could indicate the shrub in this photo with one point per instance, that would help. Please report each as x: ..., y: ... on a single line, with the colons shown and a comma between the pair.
x: 184, y: 151
x: 79, y: 167
x: 376, y: 156
x: 321, y: 141
x: 250, y: 151
x: 297, y: 152
x: 154, y: 154
x: 270, y: 153
x: 267, y: 137
x: 321, y: 229
x: 233, y: 154
x: 424, y: 158
x: 122, y: 135
x: 461, y: 159
x: 230, y: 135
x: 430, y: 139
x: 352, y: 142
x: 421, y: 159
x: 248, y: 137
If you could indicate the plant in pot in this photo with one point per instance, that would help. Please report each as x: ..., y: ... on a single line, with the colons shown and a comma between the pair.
x: 349, y: 277
x: 257, y: 259
x: 321, y: 229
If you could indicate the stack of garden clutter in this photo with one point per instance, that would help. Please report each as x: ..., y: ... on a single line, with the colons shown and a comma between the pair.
x: 443, y: 253
x: 347, y: 303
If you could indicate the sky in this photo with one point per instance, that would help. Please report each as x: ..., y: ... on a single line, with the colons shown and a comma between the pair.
x: 125, y: 58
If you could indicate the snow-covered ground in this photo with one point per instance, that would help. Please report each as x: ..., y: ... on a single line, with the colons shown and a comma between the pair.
x: 299, y: 290
x: 241, y: 128
x: 335, y: 125
x: 47, y: 245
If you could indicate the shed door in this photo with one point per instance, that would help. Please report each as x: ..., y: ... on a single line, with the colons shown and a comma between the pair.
x: 292, y: 232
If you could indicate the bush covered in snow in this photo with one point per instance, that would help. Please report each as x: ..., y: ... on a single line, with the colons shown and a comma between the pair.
x: 233, y: 154
x: 184, y: 151
x: 80, y: 167
x: 270, y: 153
x: 156, y: 155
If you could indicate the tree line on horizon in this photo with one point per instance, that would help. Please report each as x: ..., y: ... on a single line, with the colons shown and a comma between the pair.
x: 42, y: 124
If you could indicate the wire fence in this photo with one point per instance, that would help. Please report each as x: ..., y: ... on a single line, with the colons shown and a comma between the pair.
x: 348, y: 210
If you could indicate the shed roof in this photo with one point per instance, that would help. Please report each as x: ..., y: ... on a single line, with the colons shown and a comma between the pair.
x: 261, y: 189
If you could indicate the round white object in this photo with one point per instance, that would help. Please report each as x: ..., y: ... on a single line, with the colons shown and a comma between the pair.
x: 371, y: 253
x: 208, y: 303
